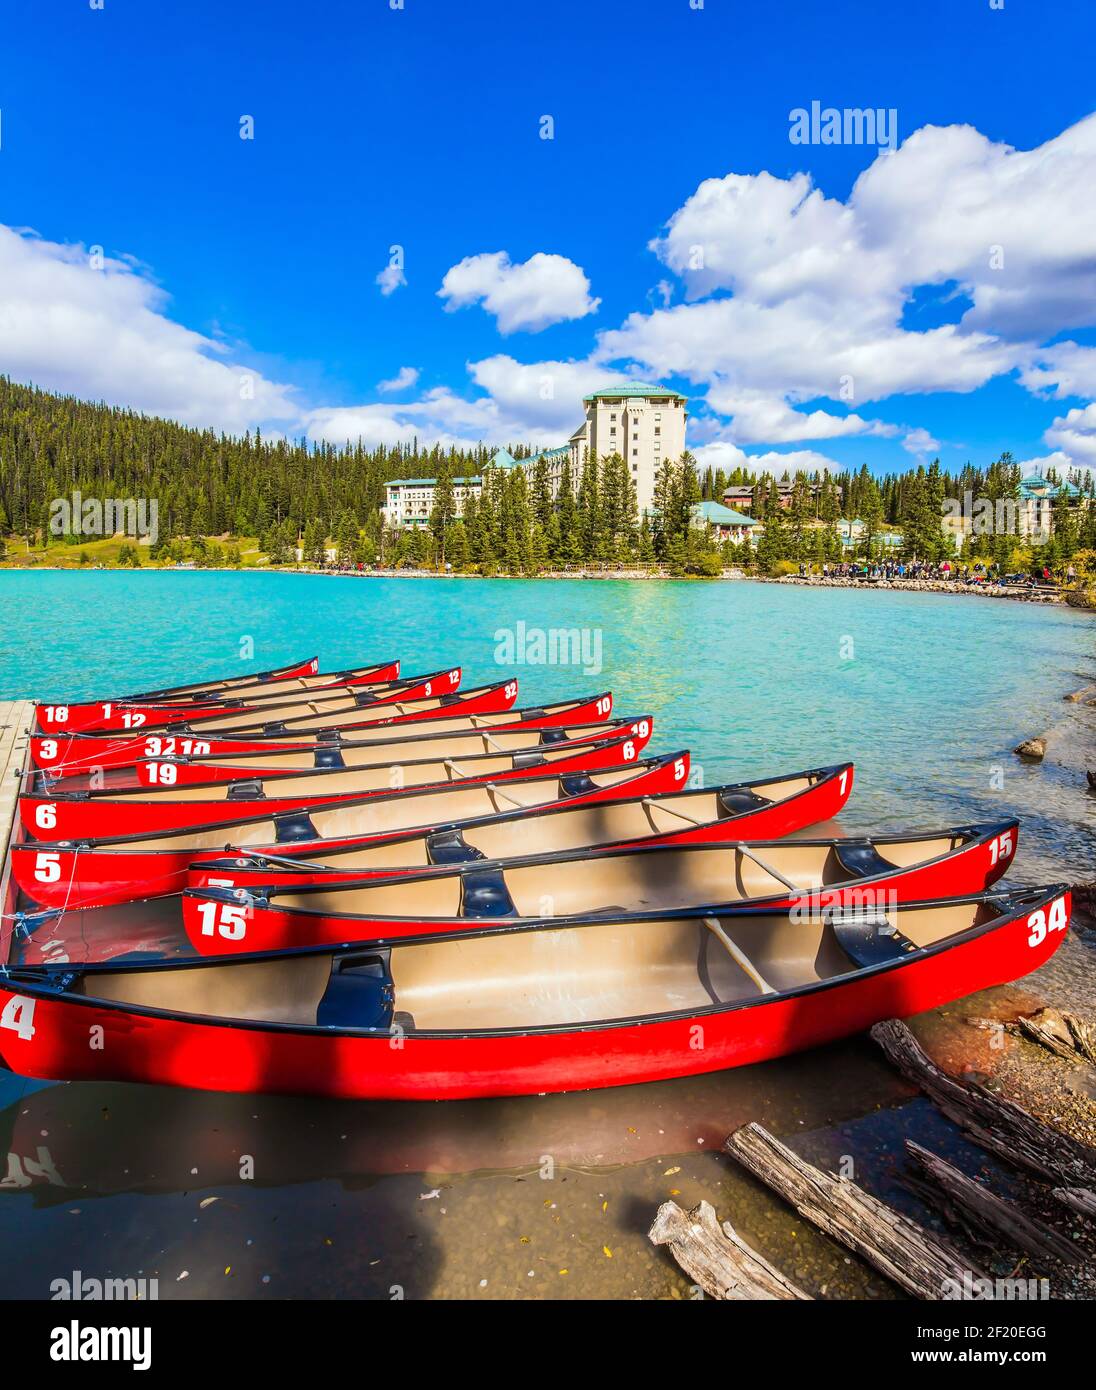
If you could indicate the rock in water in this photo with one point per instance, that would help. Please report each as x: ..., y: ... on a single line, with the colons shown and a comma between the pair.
x: 1033, y: 748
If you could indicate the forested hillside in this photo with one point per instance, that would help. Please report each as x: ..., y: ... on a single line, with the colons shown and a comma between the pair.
x: 221, y: 500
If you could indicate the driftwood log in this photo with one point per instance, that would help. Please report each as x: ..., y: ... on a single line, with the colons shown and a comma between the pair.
x: 716, y: 1258
x: 980, y: 1212
x: 1064, y: 1034
x: 918, y: 1262
x: 991, y: 1121
x: 1079, y: 1199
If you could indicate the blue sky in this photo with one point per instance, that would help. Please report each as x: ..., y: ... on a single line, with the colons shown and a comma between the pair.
x: 237, y: 282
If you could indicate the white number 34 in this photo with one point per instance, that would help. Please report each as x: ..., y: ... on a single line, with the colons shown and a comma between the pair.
x: 1041, y: 922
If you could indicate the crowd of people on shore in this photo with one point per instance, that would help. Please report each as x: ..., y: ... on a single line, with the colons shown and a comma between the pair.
x: 946, y: 571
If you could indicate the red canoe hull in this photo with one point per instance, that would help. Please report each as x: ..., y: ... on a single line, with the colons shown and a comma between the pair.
x: 260, y: 928
x: 64, y: 876
x: 109, y: 716
x: 80, y: 756
x: 48, y: 1037
x: 154, y: 812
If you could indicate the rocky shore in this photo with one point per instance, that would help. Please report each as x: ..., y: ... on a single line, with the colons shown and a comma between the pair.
x: 925, y: 586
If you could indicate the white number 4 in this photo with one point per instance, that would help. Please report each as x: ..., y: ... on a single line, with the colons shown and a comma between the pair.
x: 18, y: 1015
x: 1040, y: 922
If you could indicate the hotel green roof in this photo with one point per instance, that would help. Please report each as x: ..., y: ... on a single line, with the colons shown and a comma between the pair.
x: 634, y: 388
x: 719, y: 515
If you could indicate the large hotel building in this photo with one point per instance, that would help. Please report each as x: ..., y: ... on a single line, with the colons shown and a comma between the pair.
x: 643, y: 424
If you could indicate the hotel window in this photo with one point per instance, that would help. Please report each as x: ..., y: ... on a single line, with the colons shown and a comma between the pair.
x: 658, y: 429
x: 657, y: 419
x: 635, y: 452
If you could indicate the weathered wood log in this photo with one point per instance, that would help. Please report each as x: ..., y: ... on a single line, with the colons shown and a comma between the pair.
x: 981, y: 1212
x: 1079, y: 1199
x: 996, y: 1124
x: 918, y: 1262
x: 718, y: 1259
x: 1064, y: 1034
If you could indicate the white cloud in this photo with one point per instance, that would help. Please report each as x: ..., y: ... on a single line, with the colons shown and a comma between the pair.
x: 1063, y: 369
x: 919, y: 442
x: 1060, y: 462
x: 543, y: 290
x: 405, y: 377
x: 390, y: 279
x: 1075, y: 435
x: 96, y: 327
x: 761, y: 417
x: 819, y: 287
x: 538, y: 402
x: 721, y: 453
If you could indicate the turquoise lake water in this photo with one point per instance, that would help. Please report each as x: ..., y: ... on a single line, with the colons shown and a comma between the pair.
x: 927, y: 694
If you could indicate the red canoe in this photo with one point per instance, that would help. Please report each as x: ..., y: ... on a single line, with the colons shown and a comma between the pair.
x: 60, y: 815
x: 261, y: 760
x: 61, y: 875
x: 613, y: 1004
x: 880, y: 872
x: 485, y: 711
x: 220, y: 684
x: 765, y: 808
x: 283, y: 703
x: 813, y: 875
x: 372, y: 673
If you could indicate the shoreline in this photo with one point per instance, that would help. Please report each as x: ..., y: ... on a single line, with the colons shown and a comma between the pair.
x: 913, y: 586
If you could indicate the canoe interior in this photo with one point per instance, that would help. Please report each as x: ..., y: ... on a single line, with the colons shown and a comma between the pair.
x: 626, y: 882
x: 413, y: 771
x: 524, y: 979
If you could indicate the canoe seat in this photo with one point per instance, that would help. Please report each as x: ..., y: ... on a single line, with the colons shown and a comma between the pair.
x: 359, y: 993
x: 576, y: 784
x: 860, y: 858
x: 867, y: 937
x: 450, y: 847
x: 363, y: 698
x: 292, y: 826
x: 485, y: 894
x: 328, y: 757
x: 530, y: 716
x: 524, y: 760
x: 250, y: 790
x: 553, y: 735
x: 735, y: 802
x: 276, y: 726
